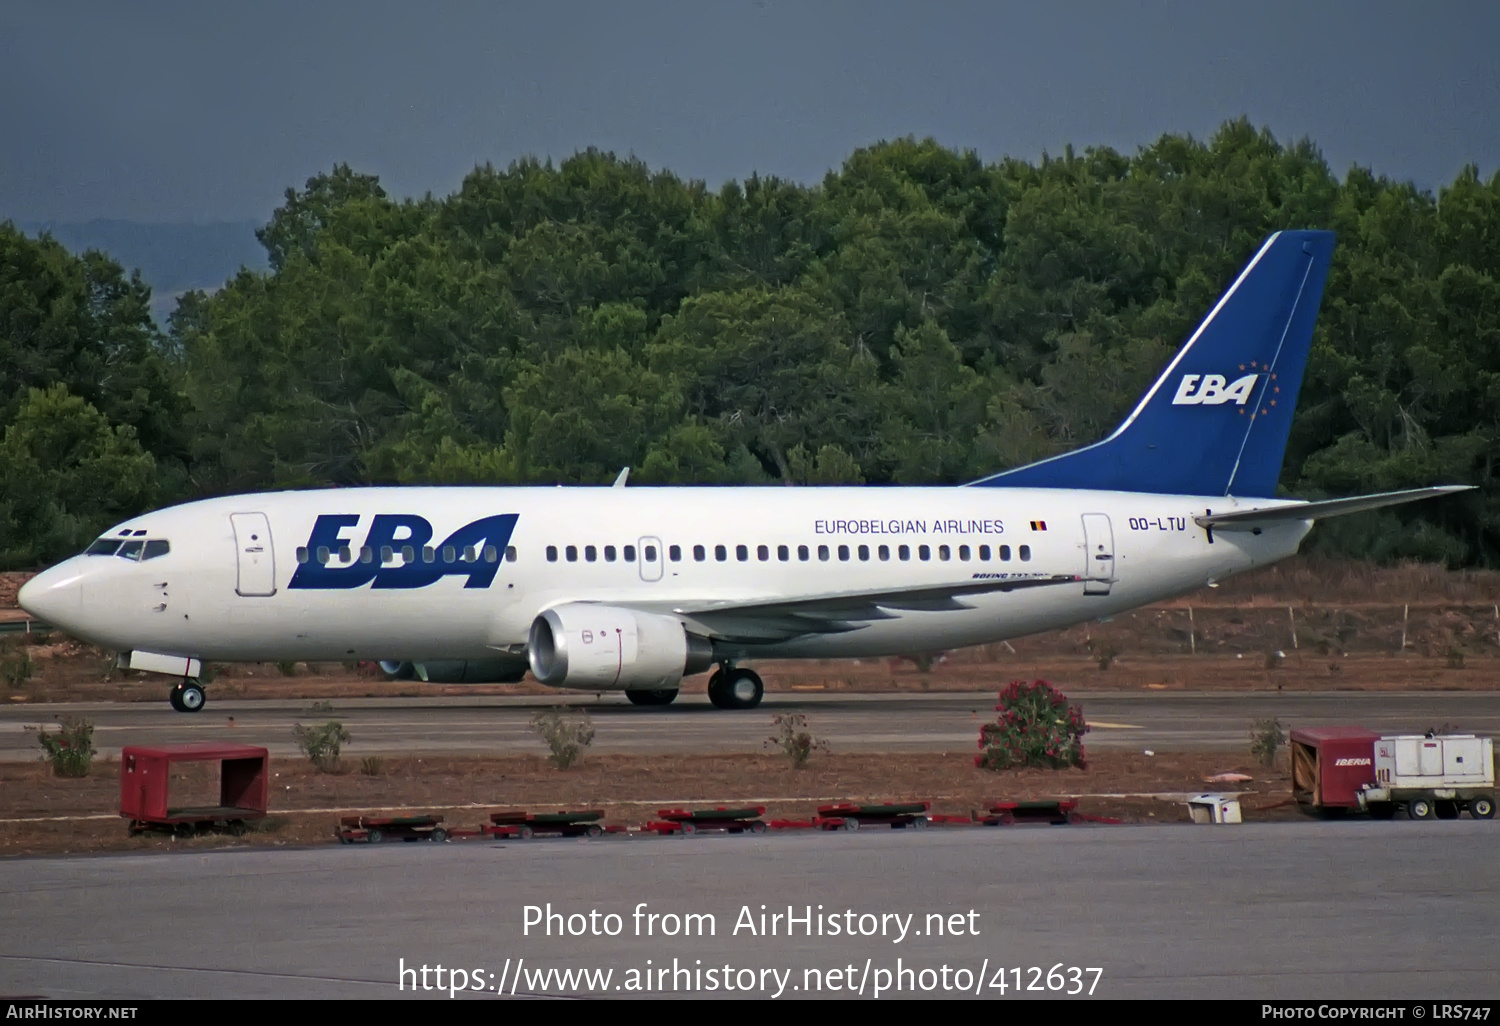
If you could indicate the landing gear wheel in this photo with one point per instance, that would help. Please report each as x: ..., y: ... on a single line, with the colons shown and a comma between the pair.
x: 438, y: 835
x: 593, y: 830
x: 757, y: 827
x: 1421, y: 808
x: 851, y: 825
x: 662, y: 696
x: 716, y: 693
x: 1482, y: 806
x: 918, y: 823
x: 187, y: 696
x: 374, y: 836
x: 735, y: 688
x: 687, y: 829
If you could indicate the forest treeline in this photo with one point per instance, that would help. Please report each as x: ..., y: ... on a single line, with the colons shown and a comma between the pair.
x: 919, y: 316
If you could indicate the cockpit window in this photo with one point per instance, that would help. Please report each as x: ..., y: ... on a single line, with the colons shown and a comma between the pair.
x: 131, y: 549
x: 156, y: 547
x: 103, y: 547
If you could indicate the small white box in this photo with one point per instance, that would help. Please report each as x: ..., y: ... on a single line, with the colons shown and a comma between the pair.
x: 1214, y: 808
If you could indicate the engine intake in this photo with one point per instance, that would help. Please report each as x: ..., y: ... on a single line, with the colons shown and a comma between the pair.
x: 586, y: 645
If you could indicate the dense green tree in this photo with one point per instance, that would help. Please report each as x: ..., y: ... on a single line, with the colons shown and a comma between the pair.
x: 918, y: 316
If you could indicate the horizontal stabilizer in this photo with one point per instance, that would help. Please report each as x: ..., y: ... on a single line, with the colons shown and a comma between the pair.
x: 1245, y: 519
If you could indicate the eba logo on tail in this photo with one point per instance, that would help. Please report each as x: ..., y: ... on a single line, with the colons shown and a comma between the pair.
x: 473, y: 551
x: 1210, y: 390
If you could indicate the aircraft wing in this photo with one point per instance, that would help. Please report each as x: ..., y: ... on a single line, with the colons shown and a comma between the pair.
x: 762, y: 620
x: 1247, y: 519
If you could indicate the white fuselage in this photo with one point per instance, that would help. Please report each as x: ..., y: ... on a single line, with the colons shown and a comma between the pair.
x: 216, y: 596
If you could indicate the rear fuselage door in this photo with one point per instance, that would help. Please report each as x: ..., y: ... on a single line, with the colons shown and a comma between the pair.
x: 257, y: 561
x: 1098, y: 553
x: 650, y: 559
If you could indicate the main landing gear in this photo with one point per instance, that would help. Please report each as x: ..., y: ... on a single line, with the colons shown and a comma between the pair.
x: 733, y: 687
x: 187, y: 696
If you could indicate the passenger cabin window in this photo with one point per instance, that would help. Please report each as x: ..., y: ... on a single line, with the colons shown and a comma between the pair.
x: 387, y: 554
x: 762, y: 553
x: 322, y: 553
x: 450, y: 554
x: 609, y: 553
x: 590, y: 554
x: 844, y: 553
x: 572, y: 551
x: 984, y: 552
x: 302, y: 553
x: 721, y: 553
x: 408, y: 555
x: 699, y: 553
x: 366, y: 554
x: 1004, y: 551
x: 674, y: 553
x: 491, y: 554
x: 864, y: 553
x: 923, y: 552
x: 802, y: 553
x: 510, y: 553
x: 346, y: 554
x: 1025, y: 552
x: 823, y: 553
x: 943, y: 553
x: 903, y: 552
x: 963, y: 552
x: 552, y: 553
x: 629, y: 553
x: 783, y: 553
x: 429, y: 554
x: 742, y: 553
x: 884, y: 552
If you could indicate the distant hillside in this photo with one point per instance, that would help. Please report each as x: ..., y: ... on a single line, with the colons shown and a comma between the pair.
x: 172, y: 258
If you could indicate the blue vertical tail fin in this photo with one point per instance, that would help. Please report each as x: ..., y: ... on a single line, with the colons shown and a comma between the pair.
x: 1216, y: 421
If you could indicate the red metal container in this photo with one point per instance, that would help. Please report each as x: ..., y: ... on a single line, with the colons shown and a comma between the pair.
x: 1331, y: 764
x: 145, y: 773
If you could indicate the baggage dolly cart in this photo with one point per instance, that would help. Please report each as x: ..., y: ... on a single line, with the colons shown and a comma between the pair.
x: 898, y: 816
x: 523, y: 825
x: 375, y: 829
x: 723, y: 818
x: 1055, y: 811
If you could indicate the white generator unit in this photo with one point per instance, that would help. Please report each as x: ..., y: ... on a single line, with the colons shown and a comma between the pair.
x: 1432, y: 776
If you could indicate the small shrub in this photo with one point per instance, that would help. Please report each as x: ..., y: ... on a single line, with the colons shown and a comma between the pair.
x: 565, y: 735
x: 321, y: 707
x: 371, y: 765
x: 796, y: 742
x: 70, y: 749
x: 17, y: 667
x: 287, y: 667
x: 1266, y: 740
x: 1037, y: 726
x: 1455, y: 658
x: 1104, y: 654
x: 322, y: 744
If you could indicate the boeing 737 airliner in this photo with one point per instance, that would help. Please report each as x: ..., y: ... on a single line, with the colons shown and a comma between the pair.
x: 633, y: 588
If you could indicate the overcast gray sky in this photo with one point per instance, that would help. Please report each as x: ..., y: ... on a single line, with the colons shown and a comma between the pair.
x: 194, y: 111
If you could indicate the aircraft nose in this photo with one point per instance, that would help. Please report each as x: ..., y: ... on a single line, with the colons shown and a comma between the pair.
x: 54, y: 595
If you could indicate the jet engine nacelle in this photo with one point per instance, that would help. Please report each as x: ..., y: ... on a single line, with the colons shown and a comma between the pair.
x: 586, y: 645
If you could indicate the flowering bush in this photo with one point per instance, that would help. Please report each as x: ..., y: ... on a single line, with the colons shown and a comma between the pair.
x: 70, y: 749
x: 1037, y: 726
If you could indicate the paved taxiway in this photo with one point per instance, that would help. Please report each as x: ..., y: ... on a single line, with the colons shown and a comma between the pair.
x: 1301, y: 910
x: 932, y: 722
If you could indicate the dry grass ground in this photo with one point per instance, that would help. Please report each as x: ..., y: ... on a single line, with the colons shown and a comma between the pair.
x: 629, y: 788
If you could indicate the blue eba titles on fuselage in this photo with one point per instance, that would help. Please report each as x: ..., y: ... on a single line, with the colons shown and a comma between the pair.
x: 397, y: 531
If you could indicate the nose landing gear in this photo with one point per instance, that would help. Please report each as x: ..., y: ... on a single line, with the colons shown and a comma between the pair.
x: 733, y: 687
x: 187, y: 696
